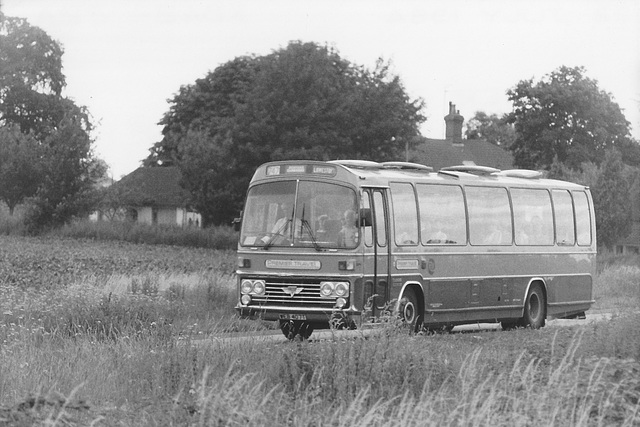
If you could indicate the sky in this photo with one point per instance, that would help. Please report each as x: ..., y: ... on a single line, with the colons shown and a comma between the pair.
x: 124, y: 59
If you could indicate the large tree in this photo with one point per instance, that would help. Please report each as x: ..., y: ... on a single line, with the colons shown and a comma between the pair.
x: 564, y: 116
x: 303, y: 101
x: 491, y: 128
x: 55, y: 131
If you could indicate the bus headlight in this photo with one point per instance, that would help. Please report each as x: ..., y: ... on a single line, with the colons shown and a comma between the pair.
x: 245, y: 300
x: 342, y: 289
x: 326, y: 289
x: 253, y: 287
x: 258, y: 287
x: 334, y: 289
x: 246, y: 286
x: 341, y: 302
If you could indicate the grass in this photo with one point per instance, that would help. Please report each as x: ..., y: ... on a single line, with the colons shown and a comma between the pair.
x: 101, y: 332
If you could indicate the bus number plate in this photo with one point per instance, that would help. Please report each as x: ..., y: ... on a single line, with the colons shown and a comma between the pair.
x: 293, y: 317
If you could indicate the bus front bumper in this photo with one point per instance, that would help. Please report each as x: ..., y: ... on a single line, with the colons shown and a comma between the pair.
x: 311, y: 315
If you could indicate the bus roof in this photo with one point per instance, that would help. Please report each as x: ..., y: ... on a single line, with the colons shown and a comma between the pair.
x: 364, y: 173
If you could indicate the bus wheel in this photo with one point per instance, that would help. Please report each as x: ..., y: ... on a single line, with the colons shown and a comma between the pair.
x: 535, y: 308
x: 409, y: 311
x: 291, y: 328
x: 305, y: 330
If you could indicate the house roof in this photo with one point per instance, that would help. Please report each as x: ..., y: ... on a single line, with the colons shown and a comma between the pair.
x: 439, y: 153
x: 153, y: 186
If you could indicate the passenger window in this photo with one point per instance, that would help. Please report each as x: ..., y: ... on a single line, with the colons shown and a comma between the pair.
x: 405, y: 214
x: 583, y: 218
x: 532, y: 216
x: 489, y: 216
x: 442, y: 215
x: 565, y: 224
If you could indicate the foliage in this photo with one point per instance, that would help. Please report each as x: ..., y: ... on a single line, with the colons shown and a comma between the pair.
x: 20, y: 171
x: 70, y: 172
x: 491, y: 128
x: 55, y: 149
x: 303, y: 101
x: 565, y: 116
x: 31, y: 78
x: 217, y: 237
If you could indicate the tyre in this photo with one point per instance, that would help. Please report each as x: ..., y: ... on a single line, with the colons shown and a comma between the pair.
x: 509, y: 325
x: 535, y: 307
x: 409, y: 311
x: 291, y: 328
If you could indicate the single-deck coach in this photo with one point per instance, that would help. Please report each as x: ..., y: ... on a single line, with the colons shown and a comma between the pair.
x: 346, y: 242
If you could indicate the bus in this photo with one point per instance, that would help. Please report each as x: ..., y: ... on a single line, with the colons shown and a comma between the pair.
x: 344, y: 243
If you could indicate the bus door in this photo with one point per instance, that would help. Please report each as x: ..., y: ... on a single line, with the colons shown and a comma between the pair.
x: 377, y: 254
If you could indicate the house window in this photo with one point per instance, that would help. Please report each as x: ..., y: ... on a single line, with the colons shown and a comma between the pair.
x: 154, y: 215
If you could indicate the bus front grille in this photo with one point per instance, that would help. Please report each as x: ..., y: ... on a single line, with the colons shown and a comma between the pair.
x: 299, y: 292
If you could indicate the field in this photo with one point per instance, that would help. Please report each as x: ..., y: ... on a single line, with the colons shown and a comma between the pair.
x: 95, y: 332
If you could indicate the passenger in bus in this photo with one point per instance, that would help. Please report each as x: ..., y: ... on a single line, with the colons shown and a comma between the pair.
x: 348, y: 235
x: 435, y: 233
x: 494, y: 236
x: 282, y: 226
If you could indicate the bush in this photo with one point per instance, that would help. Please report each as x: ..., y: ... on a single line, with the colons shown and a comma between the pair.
x: 221, y: 237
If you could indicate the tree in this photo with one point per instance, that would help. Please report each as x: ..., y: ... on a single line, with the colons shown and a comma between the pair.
x: 31, y: 78
x: 20, y: 157
x: 564, y: 116
x: 55, y: 132
x: 303, y: 101
x: 70, y: 172
x: 491, y: 128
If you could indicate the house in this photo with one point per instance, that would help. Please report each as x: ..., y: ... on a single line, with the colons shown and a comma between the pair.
x: 453, y: 150
x: 153, y: 195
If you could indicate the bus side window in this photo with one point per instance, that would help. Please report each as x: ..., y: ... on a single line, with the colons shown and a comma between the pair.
x: 442, y: 215
x: 489, y: 216
x: 405, y: 214
x: 563, y: 212
x: 583, y: 218
x: 532, y: 216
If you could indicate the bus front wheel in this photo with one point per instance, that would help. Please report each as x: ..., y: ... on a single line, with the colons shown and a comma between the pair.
x: 535, y: 307
x: 292, y: 328
x: 409, y: 310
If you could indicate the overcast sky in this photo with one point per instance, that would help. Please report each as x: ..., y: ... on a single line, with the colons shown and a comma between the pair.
x: 124, y: 58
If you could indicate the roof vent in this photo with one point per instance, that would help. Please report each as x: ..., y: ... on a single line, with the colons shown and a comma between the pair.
x: 408, y: 166
x: 520, y: 173
x: 357, y: 164
x: 472, y: 169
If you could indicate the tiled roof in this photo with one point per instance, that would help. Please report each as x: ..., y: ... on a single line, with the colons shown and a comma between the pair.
x: 153, y: 186
x: 439, y: 153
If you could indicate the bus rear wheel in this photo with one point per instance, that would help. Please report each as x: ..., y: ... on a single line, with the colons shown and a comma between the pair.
x: 409, y: 311
x: 292, y: 328
x: 535, y: 308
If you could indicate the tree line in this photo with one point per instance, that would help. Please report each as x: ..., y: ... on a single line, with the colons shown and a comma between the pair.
x: 300, y: 101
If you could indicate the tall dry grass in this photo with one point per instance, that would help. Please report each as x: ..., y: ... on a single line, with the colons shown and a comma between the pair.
x: 125, y: 343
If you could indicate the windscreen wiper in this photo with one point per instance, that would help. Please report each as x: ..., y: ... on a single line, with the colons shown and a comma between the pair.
x: 307, y: 226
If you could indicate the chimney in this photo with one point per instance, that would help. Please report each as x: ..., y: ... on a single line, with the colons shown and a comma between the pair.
x: 453, y: 122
